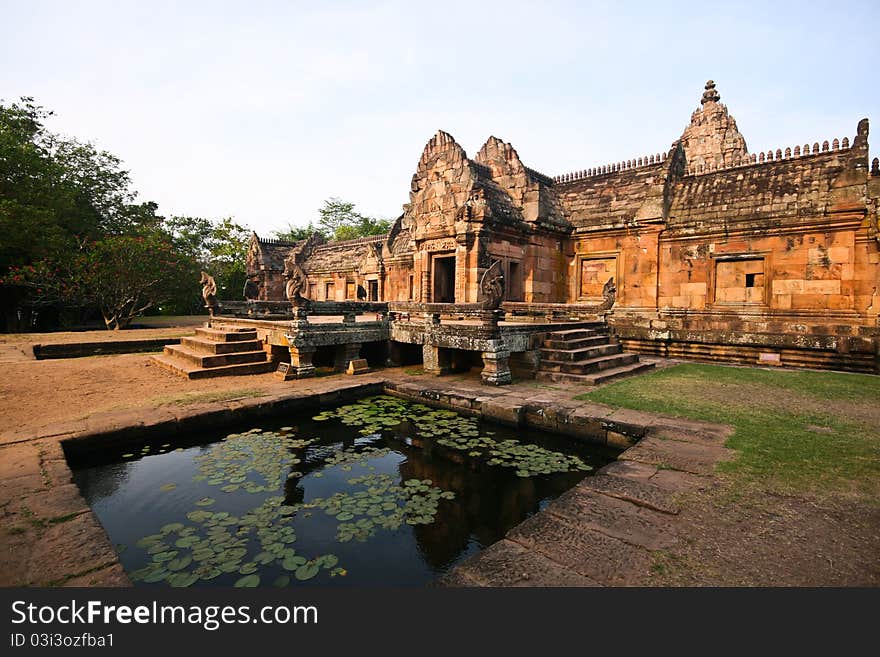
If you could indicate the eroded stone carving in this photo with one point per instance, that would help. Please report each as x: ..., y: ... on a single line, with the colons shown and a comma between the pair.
x: 209, y: 291
x: 609, y: 294
x: 492, y: 287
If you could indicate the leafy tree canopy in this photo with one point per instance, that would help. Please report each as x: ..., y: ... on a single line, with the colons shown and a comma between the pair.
x: 337, y: 220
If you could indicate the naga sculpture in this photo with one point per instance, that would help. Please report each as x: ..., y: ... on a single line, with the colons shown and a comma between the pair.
x: 296, y: 283
x: 209, y: 292
x: 609, y: 294
x: 492, y: 287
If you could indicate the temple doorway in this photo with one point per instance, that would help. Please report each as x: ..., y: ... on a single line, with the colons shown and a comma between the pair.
x: 444, y: 279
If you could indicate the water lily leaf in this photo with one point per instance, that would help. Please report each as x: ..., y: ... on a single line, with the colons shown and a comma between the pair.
x: 180, y: 563
x: 159, y: 557
x: 248, y: 568
x: 281, y: 581
x: 329, y: 560
x: 172, y: 527
x: 248, y: 581
x: 306, y: 571
x: 182, y: 580
x: 293, y: 563
x: 147, y: 541
x: 167, y: 487
x: 206, y: 501
x: 155, y: 576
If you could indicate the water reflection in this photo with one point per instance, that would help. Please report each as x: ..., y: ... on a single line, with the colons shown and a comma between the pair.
x: 488, y: 501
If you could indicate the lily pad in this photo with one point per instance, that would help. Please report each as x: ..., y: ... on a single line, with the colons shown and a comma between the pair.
x: 306, y: 571
x: 182, y: 580
x: 180, y: 563
x: 248, y: 581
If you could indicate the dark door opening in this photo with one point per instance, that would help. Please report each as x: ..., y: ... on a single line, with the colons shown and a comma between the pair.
x: 373, y: 290
x: 444, y: 279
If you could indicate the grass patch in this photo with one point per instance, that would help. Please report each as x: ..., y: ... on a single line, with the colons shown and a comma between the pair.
x: 795, y: 432
x: 186, y: 398
x: 414, y: 371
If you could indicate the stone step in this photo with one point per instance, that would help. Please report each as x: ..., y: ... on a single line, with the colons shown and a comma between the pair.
x: 237, y: 335
x: 218, y: 360
x: 558, y: 355
x: 597, y: 378
x: 590, y: 341
x: 205, y: 346
x: 588, y: 366
x: 576, y: 334
x: 181, y: 368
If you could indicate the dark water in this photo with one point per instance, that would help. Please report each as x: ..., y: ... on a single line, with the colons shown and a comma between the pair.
x: 129, y: 500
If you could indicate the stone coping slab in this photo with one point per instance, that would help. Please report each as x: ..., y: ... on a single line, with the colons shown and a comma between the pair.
x: 103, y: 347
x: 591, y: 535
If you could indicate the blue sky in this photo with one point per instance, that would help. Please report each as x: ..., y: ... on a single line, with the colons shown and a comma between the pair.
x: 261, y: 110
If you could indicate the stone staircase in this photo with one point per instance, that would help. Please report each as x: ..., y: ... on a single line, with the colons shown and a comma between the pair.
x: 588, y: 355
x: 214, y: 352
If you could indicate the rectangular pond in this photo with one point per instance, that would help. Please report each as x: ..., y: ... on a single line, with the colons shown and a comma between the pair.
x: 381, y: 492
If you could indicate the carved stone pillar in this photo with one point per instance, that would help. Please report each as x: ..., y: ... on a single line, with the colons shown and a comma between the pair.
x: 301, y: 361
x: 435, y: 360
x: 345, y: 353
x: 496, y: 368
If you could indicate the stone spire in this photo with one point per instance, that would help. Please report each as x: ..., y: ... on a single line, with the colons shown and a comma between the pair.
x: 710, y: 95
x: 712, y: 137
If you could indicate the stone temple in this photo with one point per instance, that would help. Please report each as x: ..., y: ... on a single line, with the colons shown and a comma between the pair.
x: 706, y: 251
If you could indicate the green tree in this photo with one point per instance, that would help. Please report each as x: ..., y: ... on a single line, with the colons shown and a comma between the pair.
x: 57, y: 195
x: 122, y: 275
x: 296, y: 233
x: 218, y: 247
x: 340, y: 221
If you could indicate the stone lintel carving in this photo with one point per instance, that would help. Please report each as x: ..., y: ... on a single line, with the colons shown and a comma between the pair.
x: 440, y: 244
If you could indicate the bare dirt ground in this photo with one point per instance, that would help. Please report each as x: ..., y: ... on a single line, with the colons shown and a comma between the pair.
x: 37, y: 394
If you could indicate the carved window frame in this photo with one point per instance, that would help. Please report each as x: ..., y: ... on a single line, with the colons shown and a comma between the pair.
x: 715, y: 258
x: 596, y: 255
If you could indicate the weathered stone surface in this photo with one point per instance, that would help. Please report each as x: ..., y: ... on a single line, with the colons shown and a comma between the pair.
x: 499, y: 411
x: 618, y: 518
x: 634, y: 490
x: 68, y: 549
x: 676, y: 481
x: 590, y: 553
x: 630, y: 469
x: 507, y: 563
x: 56, y: 502
x: 19, y: 460
x: 686, y: 456
x: 113, y: 576
x: 11, y: 489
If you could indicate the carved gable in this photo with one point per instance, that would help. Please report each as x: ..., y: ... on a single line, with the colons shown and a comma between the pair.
x: 444, y: 181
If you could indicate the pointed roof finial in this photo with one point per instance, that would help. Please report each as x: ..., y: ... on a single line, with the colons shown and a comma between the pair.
x: 710, y: 95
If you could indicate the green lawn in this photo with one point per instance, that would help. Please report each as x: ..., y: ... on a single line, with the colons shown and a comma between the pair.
x: 795, y: 431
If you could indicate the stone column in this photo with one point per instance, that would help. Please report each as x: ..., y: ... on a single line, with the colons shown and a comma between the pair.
x: 435, y: 360
x: 301, y: 361
x: 496, y: 368
x: 345, y: 353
